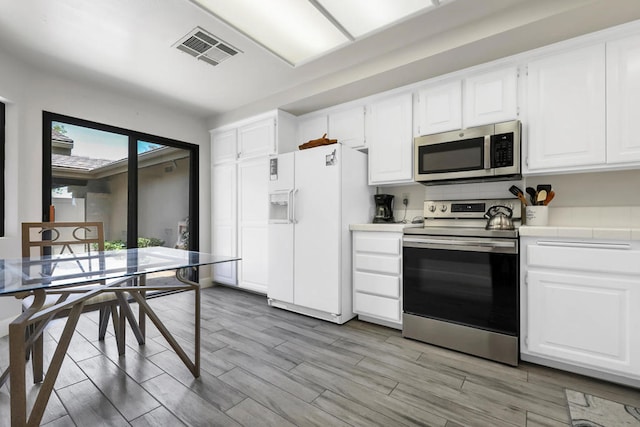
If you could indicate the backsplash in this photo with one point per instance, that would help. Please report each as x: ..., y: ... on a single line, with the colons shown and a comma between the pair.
x: 619, y: 188
x: 598, y: 216
x: 418, y: 193
x: 479, y: 190
x: 596, y: 199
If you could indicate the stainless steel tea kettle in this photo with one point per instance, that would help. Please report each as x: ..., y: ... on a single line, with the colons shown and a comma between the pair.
x: 499, y: 218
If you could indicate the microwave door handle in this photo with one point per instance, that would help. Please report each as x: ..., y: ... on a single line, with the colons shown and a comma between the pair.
x: 487, y: 151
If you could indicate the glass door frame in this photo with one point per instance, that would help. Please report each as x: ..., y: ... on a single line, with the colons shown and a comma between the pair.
x: 132, y: 172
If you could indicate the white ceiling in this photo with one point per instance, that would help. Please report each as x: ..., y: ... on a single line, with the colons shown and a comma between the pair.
x: 129, y: 45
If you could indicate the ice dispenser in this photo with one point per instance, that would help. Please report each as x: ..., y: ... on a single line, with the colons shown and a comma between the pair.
x: 279, y: 207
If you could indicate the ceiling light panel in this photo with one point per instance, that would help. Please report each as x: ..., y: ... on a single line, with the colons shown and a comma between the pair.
x: 292, y: 29
x: 360, y: 17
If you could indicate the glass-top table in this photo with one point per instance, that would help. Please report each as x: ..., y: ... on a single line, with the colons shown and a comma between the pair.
x: 81, y: 278
x: 59, y: 271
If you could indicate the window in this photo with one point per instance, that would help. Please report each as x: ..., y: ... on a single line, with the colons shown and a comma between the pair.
x: 143, y: 188
x: 2, y: 142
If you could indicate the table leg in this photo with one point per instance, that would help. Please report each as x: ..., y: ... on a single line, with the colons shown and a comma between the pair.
x: 17, y: 367
x: 17, y: 360
x: 194, y: 367
x: 54, y: 368
x: 37, y: 358
x: 181, y: 275
x: 142, y: 323
x: 126, y: 312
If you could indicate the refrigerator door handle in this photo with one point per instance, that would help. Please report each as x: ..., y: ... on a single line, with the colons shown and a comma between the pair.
x: 293, y: 206
x: 290, y: 206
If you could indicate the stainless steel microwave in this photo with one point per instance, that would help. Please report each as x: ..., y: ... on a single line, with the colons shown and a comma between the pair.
x: 483, y: 153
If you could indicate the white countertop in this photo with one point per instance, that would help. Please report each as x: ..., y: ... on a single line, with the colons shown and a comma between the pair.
x: 610, y: 233
x: 396, y: 227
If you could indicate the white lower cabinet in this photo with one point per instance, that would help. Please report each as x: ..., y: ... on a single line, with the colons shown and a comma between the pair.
x: 582, y: 300
x: 377, y: 277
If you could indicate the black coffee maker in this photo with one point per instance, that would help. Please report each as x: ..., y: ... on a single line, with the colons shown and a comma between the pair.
x: 384, y: 208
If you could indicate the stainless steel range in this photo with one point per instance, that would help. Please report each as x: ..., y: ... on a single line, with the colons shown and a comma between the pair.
x: 461, y: 281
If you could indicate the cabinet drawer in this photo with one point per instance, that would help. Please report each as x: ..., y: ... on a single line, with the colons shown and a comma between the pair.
x: 381, y: 307
x: 592, y: 257
x: 388, y: 286
x: 380, y: 264
x: 379, y: 245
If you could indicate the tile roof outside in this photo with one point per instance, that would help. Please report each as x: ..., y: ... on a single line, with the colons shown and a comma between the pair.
x: 77, y: 162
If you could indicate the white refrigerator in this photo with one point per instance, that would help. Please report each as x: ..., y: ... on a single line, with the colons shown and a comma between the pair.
x: 314, y: 195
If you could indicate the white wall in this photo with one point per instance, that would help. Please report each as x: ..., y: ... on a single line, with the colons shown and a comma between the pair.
x: 27, y: 93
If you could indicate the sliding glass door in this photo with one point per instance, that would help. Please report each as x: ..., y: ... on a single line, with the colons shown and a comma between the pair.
x: 142, y: 187
x: 163, y: 195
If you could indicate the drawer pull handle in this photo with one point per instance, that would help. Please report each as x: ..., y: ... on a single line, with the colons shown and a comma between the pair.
x: 616, y: 246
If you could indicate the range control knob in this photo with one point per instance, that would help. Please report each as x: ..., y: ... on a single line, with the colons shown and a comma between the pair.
x: 443, y: 208
x: 432, y: 208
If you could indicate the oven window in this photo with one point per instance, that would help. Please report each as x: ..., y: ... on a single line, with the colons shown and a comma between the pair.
x: 455, y: 156
x: 477, y: 289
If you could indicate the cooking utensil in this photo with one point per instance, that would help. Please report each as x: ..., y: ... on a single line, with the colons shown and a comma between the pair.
x: 518, y: 193
x: 550, y: 197
x: 533, y: 194
x: 541, y: 197
x: 499, y: 217
x: 545, y: 187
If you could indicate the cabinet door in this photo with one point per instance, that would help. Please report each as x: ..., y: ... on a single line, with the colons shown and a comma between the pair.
x: 253, y: 215
x: 348, y: 127
x: 257, y: 139
x: 566, y: 110
x: 223, y: 219
x: 439, y: 108
x: 311, y: 128
x: 584, y: 319
x: 223, y: 146
x: 623, y: 100
x: 390, y: 141
x: 490, y: 98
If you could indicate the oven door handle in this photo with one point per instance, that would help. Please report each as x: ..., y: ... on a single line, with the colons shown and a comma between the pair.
x: 469, y: 245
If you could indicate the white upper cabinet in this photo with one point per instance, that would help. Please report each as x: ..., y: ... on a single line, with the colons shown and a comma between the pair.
x: 389, y: 124
x: 310, y: 128
x: 260, y: 136
x: 223, y: 147
x: 439, y: 108
x: 623, y: 100
x: 257, y: 139
x: 347, y: 127
x: 479, y: 99
x: 490, y: 97
x: 566, y: 109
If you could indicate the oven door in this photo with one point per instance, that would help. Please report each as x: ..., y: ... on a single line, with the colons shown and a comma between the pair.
x: 463, y: 280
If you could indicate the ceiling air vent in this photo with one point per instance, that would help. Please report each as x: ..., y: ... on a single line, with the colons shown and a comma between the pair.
x: 206, y: 47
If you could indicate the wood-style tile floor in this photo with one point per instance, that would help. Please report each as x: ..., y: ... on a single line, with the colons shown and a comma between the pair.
x: 263, y: 366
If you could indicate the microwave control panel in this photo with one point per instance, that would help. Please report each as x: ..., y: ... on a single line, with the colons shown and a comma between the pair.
x: 502, y: 150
